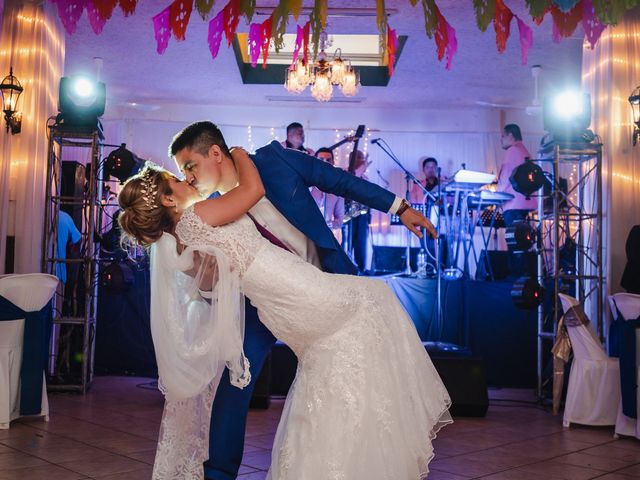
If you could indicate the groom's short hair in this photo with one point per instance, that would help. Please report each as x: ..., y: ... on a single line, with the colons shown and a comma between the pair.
x: 198, y: 136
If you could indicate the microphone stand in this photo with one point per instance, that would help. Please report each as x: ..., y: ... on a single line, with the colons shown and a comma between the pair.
x: 409, y: 177
x: 438, y: 262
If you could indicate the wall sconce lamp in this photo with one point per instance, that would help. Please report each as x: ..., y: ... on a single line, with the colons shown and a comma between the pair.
x: 634, y: 100
x: 10, y: 90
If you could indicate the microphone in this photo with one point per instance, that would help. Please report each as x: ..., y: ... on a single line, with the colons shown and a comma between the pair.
x: 464, y: 166
x: 375, y: 140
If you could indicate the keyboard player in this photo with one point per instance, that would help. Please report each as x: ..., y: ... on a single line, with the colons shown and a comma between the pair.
x: 516, y: 153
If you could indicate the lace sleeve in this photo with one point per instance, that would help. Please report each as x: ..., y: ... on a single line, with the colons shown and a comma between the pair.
x: 190, y: 228
x: 239, y: 240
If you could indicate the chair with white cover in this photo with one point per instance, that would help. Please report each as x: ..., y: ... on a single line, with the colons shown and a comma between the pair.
x: 29, y: 293
x: 593, y: 394
x: 628, y: 305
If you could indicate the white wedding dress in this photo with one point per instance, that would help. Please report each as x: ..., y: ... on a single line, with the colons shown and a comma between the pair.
x: 366, y: 402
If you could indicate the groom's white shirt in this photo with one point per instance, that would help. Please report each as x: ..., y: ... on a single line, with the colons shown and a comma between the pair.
x: 270, y: 218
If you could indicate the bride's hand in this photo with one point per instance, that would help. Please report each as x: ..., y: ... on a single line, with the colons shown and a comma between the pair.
x: 237, y: 201
x: 240, y: 157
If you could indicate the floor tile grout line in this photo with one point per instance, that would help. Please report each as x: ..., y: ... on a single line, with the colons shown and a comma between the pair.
x: 126, y: 455
x: 619, y: 469
x: 546, y: 460
x: 526, y: 440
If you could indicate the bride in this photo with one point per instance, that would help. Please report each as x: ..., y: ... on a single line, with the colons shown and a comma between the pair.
x: 366, y: 402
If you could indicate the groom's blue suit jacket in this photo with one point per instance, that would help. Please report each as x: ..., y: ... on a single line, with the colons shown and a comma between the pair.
x: 287, y: 175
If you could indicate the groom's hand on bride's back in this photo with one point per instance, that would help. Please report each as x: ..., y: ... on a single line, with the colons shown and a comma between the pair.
x: 415, y: 221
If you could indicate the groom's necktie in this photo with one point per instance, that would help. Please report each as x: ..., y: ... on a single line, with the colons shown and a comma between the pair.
x: 267, y: 234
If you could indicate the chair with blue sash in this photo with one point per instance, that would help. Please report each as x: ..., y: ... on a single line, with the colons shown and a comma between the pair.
x: 25, y: 327
x: 624, y: 342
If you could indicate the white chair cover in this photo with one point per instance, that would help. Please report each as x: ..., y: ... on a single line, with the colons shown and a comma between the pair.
x: 629, y: 306
x: 30, y: 292
x: 593, y: 394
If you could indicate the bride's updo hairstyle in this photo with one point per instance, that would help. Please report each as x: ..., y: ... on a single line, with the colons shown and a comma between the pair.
x: 143, y: 218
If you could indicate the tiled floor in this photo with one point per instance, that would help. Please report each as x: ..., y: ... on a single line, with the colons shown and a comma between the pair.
x: 110, y: 434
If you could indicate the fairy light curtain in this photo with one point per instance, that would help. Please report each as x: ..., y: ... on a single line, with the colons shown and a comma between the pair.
x: 610, y: 73
x: 31, y: 40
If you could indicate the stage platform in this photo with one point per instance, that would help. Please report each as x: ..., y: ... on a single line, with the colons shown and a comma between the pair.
x: 478, y: 316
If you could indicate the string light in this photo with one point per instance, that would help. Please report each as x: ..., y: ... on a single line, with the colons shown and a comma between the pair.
x: 250, y: 139
x: 625, y: 177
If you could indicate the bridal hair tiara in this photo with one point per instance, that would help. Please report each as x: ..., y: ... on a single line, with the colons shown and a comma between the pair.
x: 149, y: 188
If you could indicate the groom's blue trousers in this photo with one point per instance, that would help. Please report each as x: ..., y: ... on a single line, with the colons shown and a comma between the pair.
x: 231, y: 405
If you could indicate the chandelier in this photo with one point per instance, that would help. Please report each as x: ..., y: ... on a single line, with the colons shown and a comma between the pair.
x: 323, y: 74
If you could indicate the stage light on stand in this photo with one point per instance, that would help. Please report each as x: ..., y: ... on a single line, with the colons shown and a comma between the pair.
x: 81, y: 102
x: 526, y: 293
x: 122, y: 164
x: 117, y: 277
x: 567, y: 116
x: 520, y: 237
x: 527, y: 178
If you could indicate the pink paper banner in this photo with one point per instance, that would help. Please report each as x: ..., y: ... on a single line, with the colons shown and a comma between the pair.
x: 95, y: 19
x: 296, y: 49
x: 266, y: 39
x: 255, y: 41
x: 592, y: 26
x: 216, y: 29
x: 162, y: 29
x: 452, y: 45
x: 70, y: 12
x: 305, y: 42
x: 526, y: 39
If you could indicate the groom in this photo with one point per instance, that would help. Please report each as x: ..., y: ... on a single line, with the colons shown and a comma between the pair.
x: 289, y: 213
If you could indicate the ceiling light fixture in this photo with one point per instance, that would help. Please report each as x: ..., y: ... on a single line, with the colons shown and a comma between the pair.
x: 323, y: 74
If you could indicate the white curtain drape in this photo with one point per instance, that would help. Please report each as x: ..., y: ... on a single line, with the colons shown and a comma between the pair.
x: 32, y: 41
x: 610, y: 73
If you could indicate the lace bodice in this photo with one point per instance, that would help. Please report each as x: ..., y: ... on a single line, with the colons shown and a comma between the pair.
x: 239, y: 240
